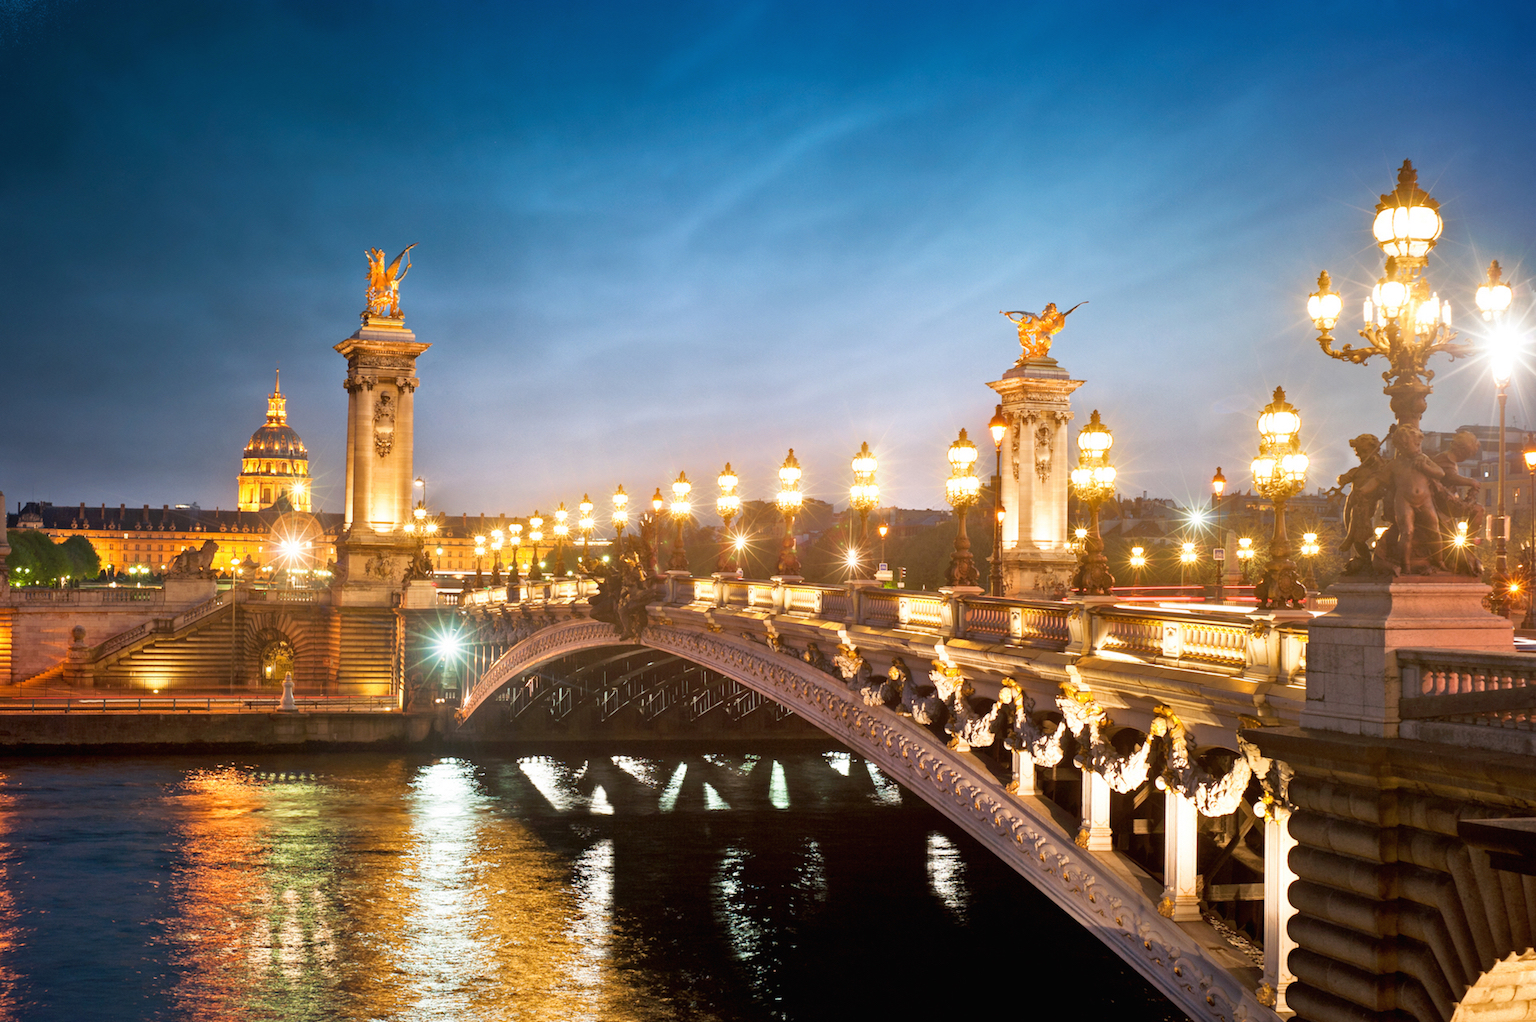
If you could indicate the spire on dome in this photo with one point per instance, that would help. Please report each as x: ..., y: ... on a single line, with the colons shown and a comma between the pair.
x: 277, y: 405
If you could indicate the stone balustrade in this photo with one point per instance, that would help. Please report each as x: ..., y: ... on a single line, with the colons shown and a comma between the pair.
x: 1459, y: 696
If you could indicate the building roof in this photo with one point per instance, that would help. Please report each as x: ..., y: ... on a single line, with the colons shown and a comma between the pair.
x: 182, y: 518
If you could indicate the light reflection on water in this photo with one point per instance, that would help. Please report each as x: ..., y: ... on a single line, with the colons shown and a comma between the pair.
x: 623, y: 888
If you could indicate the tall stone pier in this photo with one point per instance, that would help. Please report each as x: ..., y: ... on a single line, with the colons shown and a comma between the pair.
x: 381, y: 395
x: 374, y: 552
x: 1037, y: 555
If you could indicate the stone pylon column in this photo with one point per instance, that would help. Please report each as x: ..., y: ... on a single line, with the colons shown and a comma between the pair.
x: 374, y: 551
x: 1181, y: 829
x: 1037, y: 403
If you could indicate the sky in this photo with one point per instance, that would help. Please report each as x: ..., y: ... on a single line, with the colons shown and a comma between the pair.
x: 659, y: 237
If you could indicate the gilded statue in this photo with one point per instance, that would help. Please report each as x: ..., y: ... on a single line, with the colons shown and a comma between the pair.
x: 384, y: 283
x: 1036, y: 331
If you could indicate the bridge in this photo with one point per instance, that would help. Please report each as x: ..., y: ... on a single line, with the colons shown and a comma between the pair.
x: 1321, y: 812
x: 1139, y: 765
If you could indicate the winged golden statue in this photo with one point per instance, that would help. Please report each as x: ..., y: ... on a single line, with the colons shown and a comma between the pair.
x: 1036, y: 331
x: 384, y: 282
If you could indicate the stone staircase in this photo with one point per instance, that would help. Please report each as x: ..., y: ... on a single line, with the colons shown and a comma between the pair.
x: 203, y: 652
x: 367, y: 641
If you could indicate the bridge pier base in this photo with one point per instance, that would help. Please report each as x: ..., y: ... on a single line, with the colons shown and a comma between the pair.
x: 1095, y: 834
x: 1181, y: 833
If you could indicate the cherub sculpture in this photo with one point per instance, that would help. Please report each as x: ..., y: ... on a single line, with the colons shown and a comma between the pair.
x: 1453, y: 507
x: 1036, y: 331
x: 1367, y: 484
x: 384, y: 282
x: 1415, y: 521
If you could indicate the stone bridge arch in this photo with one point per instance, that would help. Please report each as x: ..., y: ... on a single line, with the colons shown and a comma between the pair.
x: 1019, y: 830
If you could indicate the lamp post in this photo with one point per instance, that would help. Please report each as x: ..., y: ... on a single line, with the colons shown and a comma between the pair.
x: 788, y: 500
x: 1530, y: 556
x: 1493, y: 298
x: 680, y: 511
x: 1094, y: 481
x: 654, y: 525
x: 496, y: 536
x: 1218, y: 487
x: 1138, y: 562
x: 422, y: 482
x: 1245, y: 556
x: 1310, y: 549
x: 535, y: 534
x: 562, y: 531
x: 1187, y: 559
x: 479, y: 554
x: 863, y: 496
x: 1279, y: 473
x: 584, y: 525
x: 726, y: 506
x: 515, y: 531
x: 1406, y: 323
x: 961, y: 490
x: 883, y: 530
x: 998, y: 427
x: 620, y: 519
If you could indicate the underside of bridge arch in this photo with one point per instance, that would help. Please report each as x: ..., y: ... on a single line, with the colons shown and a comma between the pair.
x: 1021, y: 830
x: 627, y: 690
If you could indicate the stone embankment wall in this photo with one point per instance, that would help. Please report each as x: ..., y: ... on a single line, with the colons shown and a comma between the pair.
x: 57, y: 732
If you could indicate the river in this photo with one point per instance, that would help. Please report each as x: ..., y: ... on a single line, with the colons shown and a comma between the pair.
x: 582, y: 885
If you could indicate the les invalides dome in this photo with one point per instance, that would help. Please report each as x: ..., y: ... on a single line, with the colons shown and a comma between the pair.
x: 275, y: 463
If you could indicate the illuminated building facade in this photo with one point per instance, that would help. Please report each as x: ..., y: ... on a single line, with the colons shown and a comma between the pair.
x: 275, y: 464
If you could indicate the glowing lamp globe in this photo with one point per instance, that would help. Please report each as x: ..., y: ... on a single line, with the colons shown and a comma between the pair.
x: 1407, y: 220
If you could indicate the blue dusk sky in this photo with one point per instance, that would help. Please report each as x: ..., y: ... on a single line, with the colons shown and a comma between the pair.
x: 662, y: 236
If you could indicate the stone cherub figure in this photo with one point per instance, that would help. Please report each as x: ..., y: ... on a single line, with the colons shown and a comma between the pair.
x: 1036, y: 331
x: 1414, y: 476
x: 1367, y: 483
x: 1453, y: 506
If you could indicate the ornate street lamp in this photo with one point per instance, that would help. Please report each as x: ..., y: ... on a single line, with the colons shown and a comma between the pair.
x: 727, y: 505
x: 1138, y: 562
x: 479, y: 553
x: 998, y: 427
x: 584, y: 525
x: 863, y: 495
x: 1530, y: 554
x: 1493, y: 298
x: 681, y: 509
x: 1187, y: 559
x: 562, y: 532
x: 535, y: 534
x: 1094, y: 481
x: 653, y: 525
x: 515, y: 529
x: 496, y: 536
x: 883, y: 530
x: 961, y: 490
x: 788, y: 501
x: 1405, y: 322
x: 1279, y: 473
x: 1245, y: 556
x: 1218, y: 487
x: 1310, y: 548
x: 620, y: 519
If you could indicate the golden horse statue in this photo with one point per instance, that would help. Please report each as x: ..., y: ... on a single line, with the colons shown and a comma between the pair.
x: 384, y: 282
x: 1036, y: 331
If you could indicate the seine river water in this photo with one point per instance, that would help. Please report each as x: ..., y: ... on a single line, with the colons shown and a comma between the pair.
x: 585, y: 885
